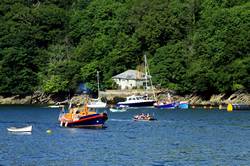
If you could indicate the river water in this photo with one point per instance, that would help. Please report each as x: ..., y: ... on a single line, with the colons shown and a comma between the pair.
x: 178, y: 137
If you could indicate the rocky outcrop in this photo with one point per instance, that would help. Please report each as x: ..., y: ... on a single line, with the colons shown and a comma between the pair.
x: 15, y: 100
x: 41, y: 98
x: 239, y: 97
x: 235, y: 98
x: 36, y: 98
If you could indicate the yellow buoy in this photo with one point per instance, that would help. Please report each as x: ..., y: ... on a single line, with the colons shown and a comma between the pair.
x: 48, y: 131
x: 229, y: 108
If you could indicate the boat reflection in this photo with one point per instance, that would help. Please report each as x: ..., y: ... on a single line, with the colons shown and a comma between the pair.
x: 20, y: 133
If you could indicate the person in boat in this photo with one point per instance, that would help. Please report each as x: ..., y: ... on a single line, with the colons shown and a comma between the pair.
x: 76, y: 115
x: 138, y: 116
x: 142, y: 116
x: 86, y: 110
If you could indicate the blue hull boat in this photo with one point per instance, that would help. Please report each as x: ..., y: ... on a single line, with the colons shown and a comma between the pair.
x: 89, y: 121
x: 81, y: 117
x: 167, y: 106
x: 183, y: 105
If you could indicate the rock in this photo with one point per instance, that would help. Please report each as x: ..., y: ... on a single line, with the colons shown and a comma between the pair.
x: 15, y: 100
x: 239, y: 98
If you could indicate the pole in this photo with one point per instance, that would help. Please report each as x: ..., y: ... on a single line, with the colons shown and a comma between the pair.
x: 146, y: 72
x: 98, y: 86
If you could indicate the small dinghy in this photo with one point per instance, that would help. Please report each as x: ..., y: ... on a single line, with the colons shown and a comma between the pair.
x: 118, y: 109
x: 54, y: 106
x: 143, y: 117
x: 21, y: 129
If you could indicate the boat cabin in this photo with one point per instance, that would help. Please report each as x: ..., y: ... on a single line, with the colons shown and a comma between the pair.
x: 133, y: 98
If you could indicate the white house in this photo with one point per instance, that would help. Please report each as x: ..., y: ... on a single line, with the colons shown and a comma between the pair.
x: 130, y: 79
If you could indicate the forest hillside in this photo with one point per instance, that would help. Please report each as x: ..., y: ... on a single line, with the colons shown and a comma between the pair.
x: 193, y: 46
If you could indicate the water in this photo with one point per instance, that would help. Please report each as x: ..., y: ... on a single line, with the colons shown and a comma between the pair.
x: 178, y: 137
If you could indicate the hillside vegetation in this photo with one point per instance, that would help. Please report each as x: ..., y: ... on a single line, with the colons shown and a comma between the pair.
x: 193, y: 46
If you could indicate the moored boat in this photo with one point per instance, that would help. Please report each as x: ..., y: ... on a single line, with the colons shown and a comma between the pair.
x: 54, y: 106
x: 183, y: 105
x: 118, y: 109
x: 167, y: 105
x: 20, y: 129
x: 136, y: 101
x: 81, y: 117
x: 97, y: 103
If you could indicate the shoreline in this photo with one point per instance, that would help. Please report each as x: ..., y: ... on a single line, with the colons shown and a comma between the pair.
x: 112, y: 98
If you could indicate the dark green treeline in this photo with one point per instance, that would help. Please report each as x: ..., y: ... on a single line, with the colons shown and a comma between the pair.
x: 193, y: 46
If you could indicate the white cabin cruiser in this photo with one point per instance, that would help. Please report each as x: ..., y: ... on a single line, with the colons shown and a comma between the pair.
x: 96, y: 103
x: 136, y: 101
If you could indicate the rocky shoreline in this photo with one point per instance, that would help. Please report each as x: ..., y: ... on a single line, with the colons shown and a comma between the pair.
x: 215, y: 100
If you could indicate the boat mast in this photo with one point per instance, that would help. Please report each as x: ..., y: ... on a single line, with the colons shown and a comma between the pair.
x: 98, y: 84
x: 147, y: 72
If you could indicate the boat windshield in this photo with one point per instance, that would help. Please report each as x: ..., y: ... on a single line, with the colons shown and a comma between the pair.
x: 135, y: 98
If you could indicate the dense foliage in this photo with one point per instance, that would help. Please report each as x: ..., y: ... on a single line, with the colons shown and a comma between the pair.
x: 193, y: 46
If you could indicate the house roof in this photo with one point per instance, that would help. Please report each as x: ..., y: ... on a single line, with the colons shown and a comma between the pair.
x: 131, y: 75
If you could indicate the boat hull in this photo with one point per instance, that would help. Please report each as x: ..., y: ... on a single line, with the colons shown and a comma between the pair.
x: 23, y: 129
x: 136, y: 104
x: 101, y: 105
x: 89, y: 121
x: 151, y: 119
x: 183, y: 106
x: 167, y: 106
x: 96, y: 103
x: 117, y: 109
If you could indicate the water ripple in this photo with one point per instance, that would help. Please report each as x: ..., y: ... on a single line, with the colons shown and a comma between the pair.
x: 177, y: 138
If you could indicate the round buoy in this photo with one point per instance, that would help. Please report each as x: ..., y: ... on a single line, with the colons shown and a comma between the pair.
x: 49, y: 131
x: 229, y: 108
